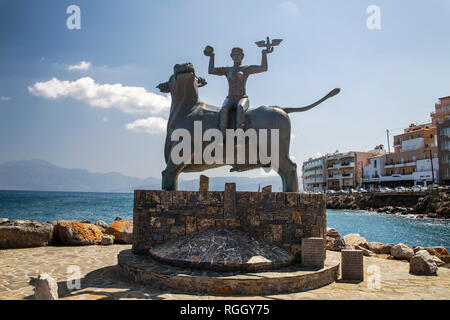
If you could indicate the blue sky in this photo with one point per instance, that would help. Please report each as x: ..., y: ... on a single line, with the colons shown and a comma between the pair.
x: 389, y: 77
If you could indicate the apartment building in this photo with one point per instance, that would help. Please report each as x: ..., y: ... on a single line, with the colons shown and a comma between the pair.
x: 441, y: 118
x: 414, y: 161
x: 314, y: 174
x: 345, y: 170
x: 335, y: 171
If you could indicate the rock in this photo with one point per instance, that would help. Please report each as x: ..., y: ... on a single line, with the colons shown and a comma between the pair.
x: 102, y: 225
x: 267, y: 189
x: 438, y: 261
x: 3, y: 220
x: 379, y: 247
x: 107, y: 240
x: 118, y: 218
x: 85, y: 221
x: 402, y: 251
x: 422, y: 263
x: 25, y: 234
x: 417, y: 248
x: 46, y: 288
x: 77, y: 233
x: 437, y: 251
x: 122, y: 230
x: 365, y: 252
x: 333, y: 233
x: 353, y: 239
x: 334, y: 244
x: 446, y: 258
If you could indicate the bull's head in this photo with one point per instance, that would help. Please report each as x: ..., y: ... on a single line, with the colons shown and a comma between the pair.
x: 183, y: 75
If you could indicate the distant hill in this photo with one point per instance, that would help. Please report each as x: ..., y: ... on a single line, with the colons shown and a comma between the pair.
x: 39, y: 175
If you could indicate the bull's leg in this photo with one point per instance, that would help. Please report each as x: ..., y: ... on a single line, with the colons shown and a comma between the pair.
x: 288, y: 174
x: 170, y: 176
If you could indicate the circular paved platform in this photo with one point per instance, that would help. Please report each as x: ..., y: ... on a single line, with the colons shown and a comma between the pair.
x: 294, y: 278
x: 222, y: 249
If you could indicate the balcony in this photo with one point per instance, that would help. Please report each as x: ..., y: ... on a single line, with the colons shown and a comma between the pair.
x: 399, y: 164
x: 335, y: 177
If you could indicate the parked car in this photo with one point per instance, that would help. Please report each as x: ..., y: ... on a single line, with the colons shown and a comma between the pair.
x: 401, y: 189
x: 331, y: 192
x: 416, y: 189
x: 353, y: 191
x: 362, y: 190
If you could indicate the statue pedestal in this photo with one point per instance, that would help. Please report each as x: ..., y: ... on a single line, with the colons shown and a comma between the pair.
x: 279, y: 218
x: 226, y: 242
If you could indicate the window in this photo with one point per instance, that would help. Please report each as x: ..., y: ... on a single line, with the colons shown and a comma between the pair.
x: 413, y: 158
x: 445, y: 145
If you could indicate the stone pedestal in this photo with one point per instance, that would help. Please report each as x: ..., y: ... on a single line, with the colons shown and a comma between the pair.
x: 313, y: 252
x: 352, y: 263
x: 279, y: 218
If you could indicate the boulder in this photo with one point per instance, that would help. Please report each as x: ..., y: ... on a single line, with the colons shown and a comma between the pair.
x: 437, y: 251
x: 365, y: 252
x: 438, y: 261
x: 422, y: 263
x: 76, y: 233
x: 102, y: 225
x: 46, y: 288
x: 333, y: 233
x: 446, y: 258
x: 417, y: 249
x: 85, y: 221
x: 353, y: 239
x: 25, y: 234
x: 3, y: 220
x: 122, y: 230
x: 402, y: 251
x: 107, y: 240
x: 379, y: 247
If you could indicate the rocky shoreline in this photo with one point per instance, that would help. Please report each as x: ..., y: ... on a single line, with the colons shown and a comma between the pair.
x: 432, y: 205
x: 30, y: 233
x: 422, y: 260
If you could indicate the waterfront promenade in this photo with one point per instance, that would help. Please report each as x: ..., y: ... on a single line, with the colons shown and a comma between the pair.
x: 99, y: 279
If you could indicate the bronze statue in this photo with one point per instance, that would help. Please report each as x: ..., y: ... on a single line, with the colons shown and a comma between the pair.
x: 187, y: 108
x: 237, y: 78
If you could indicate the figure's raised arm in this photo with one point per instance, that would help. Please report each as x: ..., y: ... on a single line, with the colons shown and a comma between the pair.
x: 209, y: 52
x: 263, y: 66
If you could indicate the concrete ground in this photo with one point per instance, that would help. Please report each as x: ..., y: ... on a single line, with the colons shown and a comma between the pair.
x: 94, y: 267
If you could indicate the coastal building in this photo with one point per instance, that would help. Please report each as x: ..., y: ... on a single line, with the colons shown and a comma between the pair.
x: 314, y: 174
x: 345, y: 170
x: 336, y: 171
x: 441, y: 118
x: 414, y: 161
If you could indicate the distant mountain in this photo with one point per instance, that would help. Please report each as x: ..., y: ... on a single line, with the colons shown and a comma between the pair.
x: 39, y: 175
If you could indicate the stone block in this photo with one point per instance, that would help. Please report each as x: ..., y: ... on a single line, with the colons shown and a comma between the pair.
x: 313, y: 252
x: 352, y: 264
x: 204, y: 183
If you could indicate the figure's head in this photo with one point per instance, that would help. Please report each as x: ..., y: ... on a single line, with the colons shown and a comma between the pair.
x: 237, y: 54
x: 183, y: 76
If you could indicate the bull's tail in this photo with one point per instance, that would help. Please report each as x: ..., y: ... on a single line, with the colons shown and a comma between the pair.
x: 302, y: 109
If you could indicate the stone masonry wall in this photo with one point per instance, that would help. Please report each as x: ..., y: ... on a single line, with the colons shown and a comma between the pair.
x: 279, y: 218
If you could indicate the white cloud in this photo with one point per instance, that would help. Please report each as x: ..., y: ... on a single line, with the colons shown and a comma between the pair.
x: 82, y: 66
x: 290, y: 7
x: 125, y: 98
x: 105, y: 119
x: 149, y: 125
x: 5, y: 98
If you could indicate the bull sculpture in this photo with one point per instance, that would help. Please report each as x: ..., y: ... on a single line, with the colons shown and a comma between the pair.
x: 187, y: 108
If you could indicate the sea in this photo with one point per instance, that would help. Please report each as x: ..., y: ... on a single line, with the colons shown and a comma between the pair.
x: 46, y: 206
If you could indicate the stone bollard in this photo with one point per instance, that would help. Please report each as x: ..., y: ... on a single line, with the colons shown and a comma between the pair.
x: 267, y: 189
x: 204, y: 184
x: 352, y: 264
x: 313, y: 252
x: 46, y: 288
